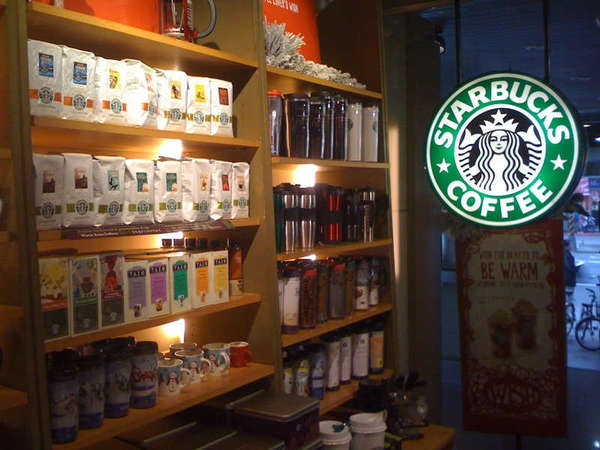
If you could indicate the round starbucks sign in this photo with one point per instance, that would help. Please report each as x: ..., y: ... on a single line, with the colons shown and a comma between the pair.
x: 504, y: 150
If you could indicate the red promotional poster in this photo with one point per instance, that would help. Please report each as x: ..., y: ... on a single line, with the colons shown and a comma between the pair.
x: 512, y: 330
x: 300, y: 18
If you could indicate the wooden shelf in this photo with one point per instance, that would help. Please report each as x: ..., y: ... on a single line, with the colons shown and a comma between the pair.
x: 115, y: 40
x: 138, y: 230
x: 333, y: 324
x: 6, y: 236
x: 46, y: 128
x: 11, y: 398
x: 280, y: 162
x: 347, y: 392
x: 288, y: 81
x: 73, y: 341
x: 322, y: 251
x: 190, y: 396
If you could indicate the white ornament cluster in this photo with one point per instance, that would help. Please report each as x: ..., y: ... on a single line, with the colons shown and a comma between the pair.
x: 281, y: 49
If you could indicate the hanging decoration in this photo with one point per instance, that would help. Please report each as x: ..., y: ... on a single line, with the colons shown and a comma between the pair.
x: 281, y: 50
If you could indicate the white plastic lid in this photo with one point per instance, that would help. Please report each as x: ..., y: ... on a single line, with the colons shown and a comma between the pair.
x: 329, y: 435
x: 366, y: 423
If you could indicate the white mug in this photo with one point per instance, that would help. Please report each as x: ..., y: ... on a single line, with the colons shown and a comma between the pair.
x: 172, y: 376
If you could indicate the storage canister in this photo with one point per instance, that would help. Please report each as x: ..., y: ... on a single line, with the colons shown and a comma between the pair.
x: 291, y: 418
x: 308, y: 297
x: 374, y: 271
x: 291, y: 300
x: 92, y: 380
x: 360, y: 354
x: 350, y: 286
x: 302, y: 373
x: 376, y: 348
x: 340, y: 127
x: 337, y: 289
x: 370, y: 132
x: 368, y: 431
x: 361, y: 299
x: 334, y: 435
x: 323, y: 274
x: 317, y: 371
x: 288, y: 373
x: 317, y: 127
x: 332, y: 344
x: 275, y: 120
x: 327, y: 100
x: 118, y: 381
x: 297, y: 114
x: 354, y: 131
x: 345, y: 357
x: 144, y: 375
x: 63, y: 393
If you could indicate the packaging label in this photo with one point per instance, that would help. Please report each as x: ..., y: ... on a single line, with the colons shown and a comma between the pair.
x: 46, y: 65
x: 176, y: 90
x: 84, y: 288
x: 201, y: 273
x: 142, y: 182
x: 171, y: 179
x: 114, y: 79
x: 158, y: 285
x: 199, y: 96
x: 112, y: 294
x: 54, y: 291
x: 113, y: 180
x: 137, y: 289
x: 80, y: 73
x: 221, y: 273
x: 180, y: 282
x: 223, y: 96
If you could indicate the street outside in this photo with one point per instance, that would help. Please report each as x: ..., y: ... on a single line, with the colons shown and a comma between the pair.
x: 588, y: 253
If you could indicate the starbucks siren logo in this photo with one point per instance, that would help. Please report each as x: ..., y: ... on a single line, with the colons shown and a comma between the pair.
x: 116, y: 106
x: 503, y: 150
x: 171, y: 205
x: 46, y: 95
x: 81, y: 207
x: 79, y: 102
x: 114, y: 208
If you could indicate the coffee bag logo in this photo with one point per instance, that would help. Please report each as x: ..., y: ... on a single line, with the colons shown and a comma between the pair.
x: 172, y: 205
x: 175, y: 114
x: 79, y: 102
x: 114, y: 208
x: 504, y: 150
x: 116, y: 106
x: 224, y: 118
x: 47, y: 210
x: 46, y: 95
x: 143, y: 207
x: 198, y: 117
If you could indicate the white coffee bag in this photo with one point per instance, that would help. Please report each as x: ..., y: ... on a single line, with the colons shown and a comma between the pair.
x: 110, y: 83
x: 177, y: 100
x: 163, y: 98
x: 140, y: 94
x: 240, y: 190
x: 109, y: 183
x: 167, y: 191
x: 45, y: 78
x: 78, y: 91
x: 221, y: 107
x: 49, y: 179
x: 195, y: 186
x: 198, y: 105
x: 220, y: 190
x: 78, y: 199
x: 139, y: 198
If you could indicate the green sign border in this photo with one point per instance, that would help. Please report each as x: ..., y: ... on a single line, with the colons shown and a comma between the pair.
x: 566, y: 191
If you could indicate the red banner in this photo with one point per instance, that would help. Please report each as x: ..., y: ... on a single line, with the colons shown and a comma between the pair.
x: 512, y: 330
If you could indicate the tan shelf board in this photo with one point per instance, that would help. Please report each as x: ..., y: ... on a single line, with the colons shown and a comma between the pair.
x: 115, y: 40
x: 333, y: 324
x: 11, y: 398
x: 347, y: 392
x: 11, y: 312
x: 139, y: 230
x: 281, y: 162
x: 106, y: 130
x: 193, y: 395
x: 288, y: 81
x: 235, y: 302
x: 5, y: 153
x: 333, y: 250
x: 6, y: 236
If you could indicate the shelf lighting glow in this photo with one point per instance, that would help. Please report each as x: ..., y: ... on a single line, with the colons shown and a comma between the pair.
x: 312, y: 257
x: 586, y: 125
x: 175, y: 329
x: 597, y: 139
x: 171, y: 148
x: 304, y: 175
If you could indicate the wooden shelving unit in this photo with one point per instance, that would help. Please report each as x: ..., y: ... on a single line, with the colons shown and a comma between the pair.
x: 11, y: 398
x: 347, y: 392
x: 324, y: 251
x: 334, y: 324
x: 140, y: 230
x: 284, y: 163
x: 120, y: 330
x: 289, y: 81
x: 190, y: 396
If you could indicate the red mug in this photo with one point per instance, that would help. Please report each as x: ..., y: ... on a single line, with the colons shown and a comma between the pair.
x: 240, y: 354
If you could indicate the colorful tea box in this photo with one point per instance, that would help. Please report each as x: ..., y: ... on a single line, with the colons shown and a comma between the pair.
x: 159, y: 286
x: 112, y: 289
x: 137, y: 289
x: 200, y: 278
x: 54, y: 296
x: 179, y: 284
x: 219, y: 277
x: 85, y: 293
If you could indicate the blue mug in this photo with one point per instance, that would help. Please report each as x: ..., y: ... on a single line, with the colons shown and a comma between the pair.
x: 218, y: 353
x: 194, y: 361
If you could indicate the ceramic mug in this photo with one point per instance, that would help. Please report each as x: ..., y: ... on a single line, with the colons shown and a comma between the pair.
x: 240, y: 354
x: 174, y: 348
x: 218, y: 354
x: 194, y: 361
x: 172, y: 376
